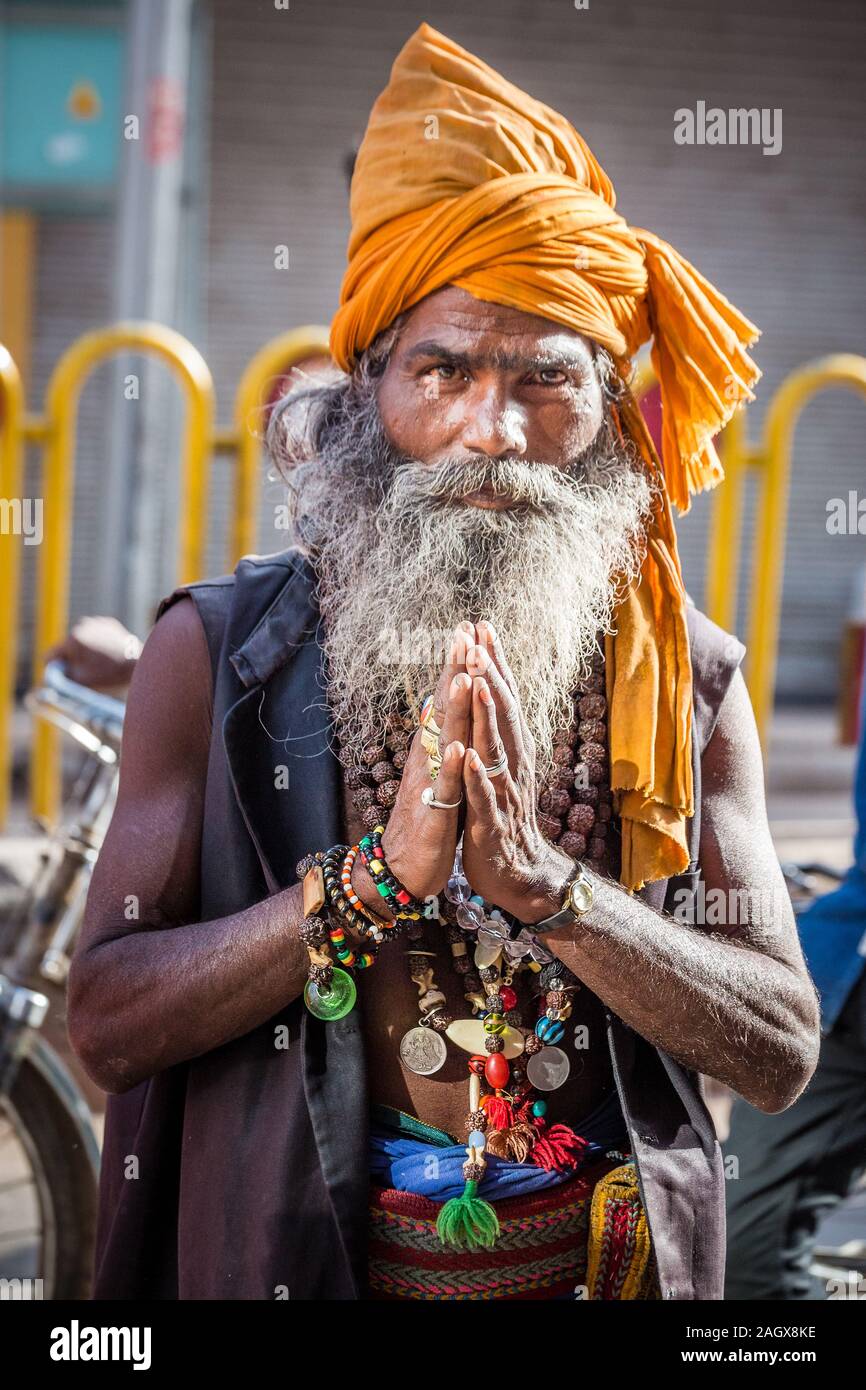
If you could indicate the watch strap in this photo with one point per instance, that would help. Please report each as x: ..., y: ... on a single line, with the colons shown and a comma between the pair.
x: 567, y: 914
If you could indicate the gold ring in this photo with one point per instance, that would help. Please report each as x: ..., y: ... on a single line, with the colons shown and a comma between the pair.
x: 427, y: 720
x: 430, y: 743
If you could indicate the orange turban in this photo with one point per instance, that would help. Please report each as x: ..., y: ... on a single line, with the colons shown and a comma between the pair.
x: 463, y: 179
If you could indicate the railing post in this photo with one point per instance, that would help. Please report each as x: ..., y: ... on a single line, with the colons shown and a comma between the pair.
x: 61, y: 409
x: 11, y: 487
x: 722, y: 583
x: 841, y: 369
x: 270, y: 363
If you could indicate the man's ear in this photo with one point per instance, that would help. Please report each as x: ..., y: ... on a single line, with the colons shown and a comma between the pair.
x: 611, y: 380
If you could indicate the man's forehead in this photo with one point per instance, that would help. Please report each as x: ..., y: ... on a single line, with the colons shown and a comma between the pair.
x: 456, y: 323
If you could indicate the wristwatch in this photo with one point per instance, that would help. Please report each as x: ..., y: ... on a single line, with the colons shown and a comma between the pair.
x: 576, y: 902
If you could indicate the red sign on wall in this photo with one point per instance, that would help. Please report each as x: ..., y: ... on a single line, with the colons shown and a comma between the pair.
x: 165, y: 120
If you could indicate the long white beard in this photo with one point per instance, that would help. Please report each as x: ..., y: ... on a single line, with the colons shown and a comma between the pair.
x: 401, y: 560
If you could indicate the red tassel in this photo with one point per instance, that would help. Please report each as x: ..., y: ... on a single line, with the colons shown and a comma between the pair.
x: 523, y: 1111
x: 499, y: 1112
x: 560, y: 1150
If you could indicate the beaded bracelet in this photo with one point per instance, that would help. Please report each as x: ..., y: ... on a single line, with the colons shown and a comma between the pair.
x: 405, y: 906
x: 378, y: 925
x: 347, y: 955
x: 330, y: 992
x: 331, y: 866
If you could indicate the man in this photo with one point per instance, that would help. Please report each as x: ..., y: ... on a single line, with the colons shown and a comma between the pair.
x: 100, y: 652
x: 479, y: 516
x: 794, y: 1168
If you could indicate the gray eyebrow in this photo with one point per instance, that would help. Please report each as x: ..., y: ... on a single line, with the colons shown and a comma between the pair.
x: 499, y: 358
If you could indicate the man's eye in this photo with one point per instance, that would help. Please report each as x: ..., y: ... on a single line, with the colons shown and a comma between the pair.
x: 552, y: 376
x: 447, y: 370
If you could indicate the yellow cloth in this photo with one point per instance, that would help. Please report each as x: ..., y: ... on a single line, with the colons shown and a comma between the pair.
x: 464, y: 179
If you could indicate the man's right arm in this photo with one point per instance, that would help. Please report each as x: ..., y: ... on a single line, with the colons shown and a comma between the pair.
x: 150, y: 984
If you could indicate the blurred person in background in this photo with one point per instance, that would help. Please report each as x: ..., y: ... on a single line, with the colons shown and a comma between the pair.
x: 795, y: 1167
x: 98, y: 651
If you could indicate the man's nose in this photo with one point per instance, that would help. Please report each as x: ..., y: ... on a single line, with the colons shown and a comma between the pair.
x: 494, y: 427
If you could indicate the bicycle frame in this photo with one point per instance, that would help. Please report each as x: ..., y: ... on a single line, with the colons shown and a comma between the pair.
x: 42, y: 933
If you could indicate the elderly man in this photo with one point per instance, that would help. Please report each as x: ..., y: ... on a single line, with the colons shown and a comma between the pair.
x: 394, y: 965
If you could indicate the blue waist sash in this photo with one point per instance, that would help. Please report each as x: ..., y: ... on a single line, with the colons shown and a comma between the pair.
x: 413, y: 1157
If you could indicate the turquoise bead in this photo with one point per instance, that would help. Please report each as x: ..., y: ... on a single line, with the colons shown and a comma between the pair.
x: 539, y: 1108
x: 549, y: 1031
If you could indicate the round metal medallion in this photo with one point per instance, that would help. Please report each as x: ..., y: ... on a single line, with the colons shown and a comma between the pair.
x: 422, y: 1051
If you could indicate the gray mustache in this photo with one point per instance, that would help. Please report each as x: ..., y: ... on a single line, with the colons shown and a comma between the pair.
x: 534, y: 484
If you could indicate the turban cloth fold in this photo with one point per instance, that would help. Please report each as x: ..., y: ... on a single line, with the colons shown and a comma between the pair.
x: 462, y: 179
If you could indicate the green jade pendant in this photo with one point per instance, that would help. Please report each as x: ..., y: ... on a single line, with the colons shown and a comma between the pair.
x: 334, y: 1002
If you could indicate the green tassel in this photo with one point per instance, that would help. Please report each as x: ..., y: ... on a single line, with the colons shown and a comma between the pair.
x: 467, y: 1222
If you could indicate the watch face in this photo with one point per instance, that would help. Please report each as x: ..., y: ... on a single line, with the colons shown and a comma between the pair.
x: 580, y: 895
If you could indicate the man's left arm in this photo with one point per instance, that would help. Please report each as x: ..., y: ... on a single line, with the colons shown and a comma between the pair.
x: 734, y: 1001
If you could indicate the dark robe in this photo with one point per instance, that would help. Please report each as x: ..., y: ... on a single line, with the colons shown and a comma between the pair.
x: 253, y: 1168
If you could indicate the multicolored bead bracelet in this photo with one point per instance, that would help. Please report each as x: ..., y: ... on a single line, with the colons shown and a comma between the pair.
x: 378, y: 925
x: 404, y: 905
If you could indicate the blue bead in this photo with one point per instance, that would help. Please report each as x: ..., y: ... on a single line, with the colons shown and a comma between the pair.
x: 539, y: 1108
x: 476, y: 1139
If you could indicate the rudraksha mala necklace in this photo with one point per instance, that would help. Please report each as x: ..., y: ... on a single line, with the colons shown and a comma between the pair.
x: 575, y: 807
x: 512, y: 1061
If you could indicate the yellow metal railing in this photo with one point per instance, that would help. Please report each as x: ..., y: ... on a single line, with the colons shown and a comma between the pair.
x: 11, y: 487
x: 55, y: 431
x: 269, y: 364
x: 768, y: 556
x: 61, y: 413
x: 771, y: 463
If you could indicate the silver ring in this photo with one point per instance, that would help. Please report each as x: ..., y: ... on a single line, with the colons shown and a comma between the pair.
x: 428, y: 796
x: 495, y: 768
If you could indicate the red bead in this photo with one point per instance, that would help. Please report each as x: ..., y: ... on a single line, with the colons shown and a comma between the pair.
x: 508, y: 997
x: 477, y: 1064
x: 403, y: 897
x: 497, y: 1071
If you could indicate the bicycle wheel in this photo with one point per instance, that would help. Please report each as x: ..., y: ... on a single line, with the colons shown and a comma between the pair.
x: 48, y: 1184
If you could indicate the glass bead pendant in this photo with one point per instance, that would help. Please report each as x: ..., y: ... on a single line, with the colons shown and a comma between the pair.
x: 334, y: 1002
x: 470, y: 916
x: 548, y: 1069
x: 457, y: 889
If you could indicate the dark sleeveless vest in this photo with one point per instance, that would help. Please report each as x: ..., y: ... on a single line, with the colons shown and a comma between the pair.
x: 253, y: 1171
